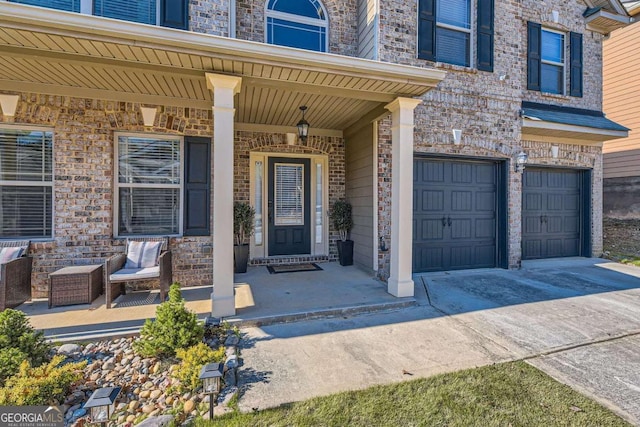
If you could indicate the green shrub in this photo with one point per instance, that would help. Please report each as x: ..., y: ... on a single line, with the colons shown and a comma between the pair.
x: 174, y: 327
x: 18, y: 342
x: 193, y: 359
x: 42, y: 385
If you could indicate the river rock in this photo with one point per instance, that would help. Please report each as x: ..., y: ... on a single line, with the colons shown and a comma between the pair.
x: 133, y: 405
x: 155, y: 394
x: 147, y: 409
x: 232, y: 340
x: 189, y: 406
x: 69, y: 349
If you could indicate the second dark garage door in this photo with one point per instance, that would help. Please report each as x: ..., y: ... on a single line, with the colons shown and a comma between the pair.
x: 455, y: 214
x: 553, y: 218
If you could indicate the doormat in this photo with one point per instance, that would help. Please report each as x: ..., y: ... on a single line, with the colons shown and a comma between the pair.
x: 293, y: 268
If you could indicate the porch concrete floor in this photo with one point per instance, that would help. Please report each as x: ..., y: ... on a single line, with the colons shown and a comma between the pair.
x: 261, y: 298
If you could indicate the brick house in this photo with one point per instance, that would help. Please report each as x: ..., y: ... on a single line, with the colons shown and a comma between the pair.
x: 152, y: 121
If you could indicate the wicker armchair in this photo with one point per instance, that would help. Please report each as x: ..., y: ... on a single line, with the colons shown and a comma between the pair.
x: 15, y: 277
x: 116, y: 275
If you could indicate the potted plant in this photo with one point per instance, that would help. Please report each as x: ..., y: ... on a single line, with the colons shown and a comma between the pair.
x: 342, y: 221
x: 243, y: 215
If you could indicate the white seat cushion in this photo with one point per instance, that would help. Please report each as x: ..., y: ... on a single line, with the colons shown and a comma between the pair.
x: 142, y: 254
x: 127, y: 274
x: 9, y: 254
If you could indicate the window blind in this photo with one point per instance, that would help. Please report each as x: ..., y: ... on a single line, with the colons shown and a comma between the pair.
x: 143, y: 11
x: 289, y: 195
x: 26, y: 188
x: 67, y: 5
x: 454, y: 12
x: 148, y: 161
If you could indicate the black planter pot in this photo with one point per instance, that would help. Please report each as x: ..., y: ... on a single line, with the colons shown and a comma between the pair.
x: 240, y: 258
x: 345, y: 252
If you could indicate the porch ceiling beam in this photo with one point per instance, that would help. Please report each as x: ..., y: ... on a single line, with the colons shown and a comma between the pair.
x: 319, y: 90
x: 80, y: 92
x: 358, y: 123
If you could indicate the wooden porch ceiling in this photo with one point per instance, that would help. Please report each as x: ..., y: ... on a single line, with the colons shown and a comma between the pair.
x: 67, y: 60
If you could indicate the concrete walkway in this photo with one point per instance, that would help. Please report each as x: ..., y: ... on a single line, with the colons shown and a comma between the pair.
x: 466, y: 319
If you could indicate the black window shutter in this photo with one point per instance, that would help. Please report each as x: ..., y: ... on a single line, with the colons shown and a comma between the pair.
x: 534, y: 57
x: 197, y: 186
x: 174, y: 14
x: 427, y: 29
x: 485, y: 35
x: 575, y: 76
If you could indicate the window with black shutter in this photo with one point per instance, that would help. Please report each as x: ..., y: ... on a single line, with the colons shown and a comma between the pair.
x: 446, y: 29
x: 547, y: 62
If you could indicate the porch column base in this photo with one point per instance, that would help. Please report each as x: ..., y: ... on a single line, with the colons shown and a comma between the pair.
x: 400, y: 288
x: 222, y: 306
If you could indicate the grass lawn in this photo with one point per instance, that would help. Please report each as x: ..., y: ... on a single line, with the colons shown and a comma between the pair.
x: 509, y: 394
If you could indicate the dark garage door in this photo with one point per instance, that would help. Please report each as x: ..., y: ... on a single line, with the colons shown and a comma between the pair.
x: 552, y: 213
x: 454, y: 214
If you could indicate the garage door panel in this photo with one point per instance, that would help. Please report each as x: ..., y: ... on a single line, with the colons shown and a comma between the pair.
x: 533, y: 202
x: 461, y: 229
x: 462, y: 173
x: 552, y: 214
x: 485, y: 201
x: 432, y: 200
x: 449, y: 237
x: 485, y: 174
x: 485, y: 228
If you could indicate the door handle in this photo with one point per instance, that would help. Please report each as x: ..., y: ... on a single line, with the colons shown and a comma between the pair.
x: 546, y: 219
x: 449, y: 221
x: 444, y: 221
x: 541, y: 219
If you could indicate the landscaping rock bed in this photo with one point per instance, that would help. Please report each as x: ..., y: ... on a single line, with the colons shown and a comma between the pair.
x: 148, y: 387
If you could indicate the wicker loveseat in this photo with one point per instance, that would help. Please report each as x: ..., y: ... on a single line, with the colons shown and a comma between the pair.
x: 15, y: 273
x: 119, y: 268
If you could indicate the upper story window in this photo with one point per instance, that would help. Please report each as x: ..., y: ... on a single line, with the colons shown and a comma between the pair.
x: 547, y: 61
x: 453, y: 32
x: 167, y: 13
x: 297, y: 23
x: 447, y: 31
x: 26, y: 183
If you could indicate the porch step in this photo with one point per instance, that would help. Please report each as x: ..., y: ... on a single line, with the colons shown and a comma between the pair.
x: 327, y: 313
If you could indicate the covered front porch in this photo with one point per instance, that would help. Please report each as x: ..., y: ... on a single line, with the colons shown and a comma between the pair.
x: 261, y: 298
x: 122, y: 73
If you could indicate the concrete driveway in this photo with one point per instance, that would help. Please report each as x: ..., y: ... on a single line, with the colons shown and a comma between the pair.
x: 577, y: 319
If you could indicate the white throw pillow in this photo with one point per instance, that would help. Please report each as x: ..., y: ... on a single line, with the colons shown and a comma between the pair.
x: 142, y: 254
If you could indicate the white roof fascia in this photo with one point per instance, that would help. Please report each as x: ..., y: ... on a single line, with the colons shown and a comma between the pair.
x: 34, y: 18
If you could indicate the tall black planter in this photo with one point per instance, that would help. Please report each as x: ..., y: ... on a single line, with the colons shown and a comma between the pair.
x: 240, y: 258
x: 345, y: 252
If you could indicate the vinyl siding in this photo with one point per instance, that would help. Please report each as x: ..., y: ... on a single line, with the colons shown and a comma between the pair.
x: 621, y: 101
x: 367, y: 28
x: 360, y: 193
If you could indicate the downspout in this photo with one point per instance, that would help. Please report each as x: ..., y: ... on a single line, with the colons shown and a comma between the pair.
x: 232, y: 19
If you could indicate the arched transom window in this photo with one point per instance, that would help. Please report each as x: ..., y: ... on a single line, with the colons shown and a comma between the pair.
x: 297, y: 23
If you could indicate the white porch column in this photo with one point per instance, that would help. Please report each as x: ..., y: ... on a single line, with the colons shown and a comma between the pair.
x: 400, y: 283
x: 224, y: 88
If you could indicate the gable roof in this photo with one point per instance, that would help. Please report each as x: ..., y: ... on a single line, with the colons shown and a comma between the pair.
x: 632, y: 6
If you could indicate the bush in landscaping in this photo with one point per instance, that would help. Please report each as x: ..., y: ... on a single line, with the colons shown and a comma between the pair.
x: 48, y: 384
x: 193, y: 359
x: 175, y: 327
x: 19, y: 342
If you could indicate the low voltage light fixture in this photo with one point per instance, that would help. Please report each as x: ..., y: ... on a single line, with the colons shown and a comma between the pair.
x: 211, y: 375
x: 102, y: 404
x: 521, y: 161
x: 148, y: 115
x: 8, y: 104
x: 303, y: 126
x: 555, y: 150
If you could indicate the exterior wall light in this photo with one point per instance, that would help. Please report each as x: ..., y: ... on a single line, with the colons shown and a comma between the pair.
x: 210, y: 376
x: 303, y: 126
x: 555, y: 150
x: 102, y: 404
x: 521, y: 161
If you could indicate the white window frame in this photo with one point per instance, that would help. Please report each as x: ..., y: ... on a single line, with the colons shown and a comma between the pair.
x: 470, y: 31
x: 564, y: 59
x: 268, y: 13
x: 12, y: 183
x: 117, y: 185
